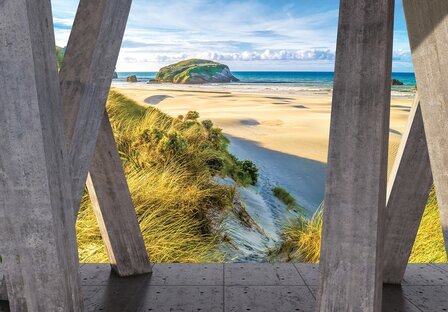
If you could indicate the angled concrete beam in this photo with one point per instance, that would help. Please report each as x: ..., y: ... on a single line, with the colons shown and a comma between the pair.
x: 3, y: 290
x: 408, y: 190
x: 38, y: 243
x: 85, y: 79
x: 355, y: 199
x: 86, y: 75
x: 113, y: 207
x: 428, y: 35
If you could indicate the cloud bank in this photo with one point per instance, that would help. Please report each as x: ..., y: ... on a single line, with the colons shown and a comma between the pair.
x: 245, y: 34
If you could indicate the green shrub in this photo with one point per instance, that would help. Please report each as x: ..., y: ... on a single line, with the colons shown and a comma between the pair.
x: 243, y: 172
x: 169, y: 169
x: 250, y: 169
x: 285, y: 197
x: 192, y: 115
x: 216, y: 163
x: 208, y: 124
x: 173, y: 143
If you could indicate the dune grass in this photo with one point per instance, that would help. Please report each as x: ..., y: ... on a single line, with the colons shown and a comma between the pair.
x: 285, y: 197
x: 302, y: 238
x: 429, y: 245
x: 170, y: 164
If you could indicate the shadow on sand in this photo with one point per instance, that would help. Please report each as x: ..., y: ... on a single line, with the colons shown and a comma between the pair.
x: 303, y: 178
x: 156, y: 99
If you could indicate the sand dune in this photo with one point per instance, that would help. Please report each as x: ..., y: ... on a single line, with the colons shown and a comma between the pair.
x: 295, y: 124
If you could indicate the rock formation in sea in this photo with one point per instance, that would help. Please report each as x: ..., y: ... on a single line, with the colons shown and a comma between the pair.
x: 132, y: 78
x: 396, y: 82
x: 196, y: 71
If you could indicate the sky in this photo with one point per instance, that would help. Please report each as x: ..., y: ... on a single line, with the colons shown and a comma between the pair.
x: 247, y: 35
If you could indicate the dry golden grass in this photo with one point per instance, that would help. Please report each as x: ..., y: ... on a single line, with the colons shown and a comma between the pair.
x: 429, y: 245
x: 171, y: 184
x: 302, y: 238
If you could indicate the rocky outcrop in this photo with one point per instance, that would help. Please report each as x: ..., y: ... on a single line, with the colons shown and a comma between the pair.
x: 132, y: 78
x: 115, y: 76
x: 196, y: 71
x: 396, y: 82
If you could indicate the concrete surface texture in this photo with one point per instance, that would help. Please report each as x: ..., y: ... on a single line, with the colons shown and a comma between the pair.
x: 427, y: 23
x: 355, y: 199
x: 38, y: 243
x: 113, y: 207
x: 408, y: 190
x: 244, y: 287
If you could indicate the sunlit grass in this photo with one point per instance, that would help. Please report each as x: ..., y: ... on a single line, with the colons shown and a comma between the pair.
x: 429, y: 245
x: 302, y: 238
x: 169, y: 164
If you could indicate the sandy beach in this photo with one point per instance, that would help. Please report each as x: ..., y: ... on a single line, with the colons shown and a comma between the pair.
x: 284, y: 132
x: 296, y: 124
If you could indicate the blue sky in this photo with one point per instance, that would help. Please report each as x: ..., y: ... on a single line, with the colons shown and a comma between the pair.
x: 290, y: 35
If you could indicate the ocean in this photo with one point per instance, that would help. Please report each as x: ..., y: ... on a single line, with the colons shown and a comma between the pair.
x: 284, y: 82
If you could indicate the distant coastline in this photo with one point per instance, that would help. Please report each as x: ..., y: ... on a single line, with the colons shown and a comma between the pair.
x: 271, y: 82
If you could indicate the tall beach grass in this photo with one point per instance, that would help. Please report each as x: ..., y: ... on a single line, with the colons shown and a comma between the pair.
x: 170, y: 164
x: 302, y: 237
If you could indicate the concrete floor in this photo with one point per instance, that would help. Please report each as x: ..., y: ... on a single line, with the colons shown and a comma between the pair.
x: 244, y: 287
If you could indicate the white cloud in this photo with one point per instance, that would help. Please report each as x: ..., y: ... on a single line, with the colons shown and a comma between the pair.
x: 271, y: 55
x: 402, y: 55
x: 245, y: 34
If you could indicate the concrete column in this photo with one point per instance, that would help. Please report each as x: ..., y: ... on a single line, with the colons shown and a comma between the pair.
x: 408, y: 190
x: 113, y: 207
x: 38, y: 243
x: 86, y: 76
x: 3, y: 290
x: 428, y: 35
x: 355, y: 199
x: 85, y: 79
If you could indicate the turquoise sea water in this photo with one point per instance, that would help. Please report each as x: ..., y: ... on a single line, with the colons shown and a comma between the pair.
x: 302, y: 80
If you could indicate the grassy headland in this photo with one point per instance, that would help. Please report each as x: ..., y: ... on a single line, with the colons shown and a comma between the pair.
x: 170, y: 164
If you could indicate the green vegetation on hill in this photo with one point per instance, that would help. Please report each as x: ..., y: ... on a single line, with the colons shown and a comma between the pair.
x: 195, y: 71
x: 170, y: 164
x: 301, y: 238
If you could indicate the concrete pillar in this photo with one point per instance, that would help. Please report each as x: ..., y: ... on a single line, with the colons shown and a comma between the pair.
x: 428, y: 35
x: 408, y: 190
x: 355, y: 199
x: 85, y: 79
x: 38, y: 243
x: 3, y: 290
x: 114, y: 209
x: 86, y: 75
